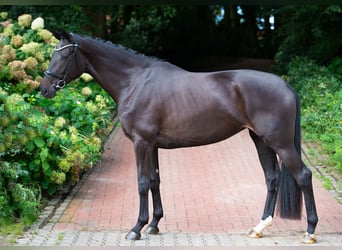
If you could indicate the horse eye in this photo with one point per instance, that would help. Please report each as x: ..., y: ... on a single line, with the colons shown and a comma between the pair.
x: 65, y: 52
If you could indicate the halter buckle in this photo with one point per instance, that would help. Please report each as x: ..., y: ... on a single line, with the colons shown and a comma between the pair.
x: 60, y: 84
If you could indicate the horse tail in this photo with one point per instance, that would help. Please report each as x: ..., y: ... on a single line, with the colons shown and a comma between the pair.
x: 290, y: 194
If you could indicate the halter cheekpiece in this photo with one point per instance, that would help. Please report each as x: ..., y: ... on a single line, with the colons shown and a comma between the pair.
x: 61, y: 78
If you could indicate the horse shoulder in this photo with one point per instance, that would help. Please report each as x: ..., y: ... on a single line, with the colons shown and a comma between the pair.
x: 139, y: 111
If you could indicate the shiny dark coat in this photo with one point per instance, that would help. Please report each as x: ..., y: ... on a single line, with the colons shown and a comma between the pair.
x: 163, y: 106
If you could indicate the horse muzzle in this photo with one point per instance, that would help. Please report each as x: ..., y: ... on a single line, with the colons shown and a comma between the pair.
x: 47, y: 89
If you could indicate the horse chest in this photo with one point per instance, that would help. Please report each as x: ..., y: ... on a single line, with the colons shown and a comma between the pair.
x: 138, y: 125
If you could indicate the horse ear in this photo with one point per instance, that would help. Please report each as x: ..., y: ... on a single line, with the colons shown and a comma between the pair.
x: 56, y: 34
x: 62, y: 35
x: 67, y: 36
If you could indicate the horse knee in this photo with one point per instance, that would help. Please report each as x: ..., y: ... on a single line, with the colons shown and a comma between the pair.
x: 143, y: 186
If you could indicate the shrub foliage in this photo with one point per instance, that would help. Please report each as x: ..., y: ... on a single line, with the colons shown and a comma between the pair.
x: 321, y: 95
x: 46, y: 143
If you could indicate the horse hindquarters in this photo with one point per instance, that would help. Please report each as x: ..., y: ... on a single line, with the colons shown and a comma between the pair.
x: 296, y: 178
x: 290, y: 195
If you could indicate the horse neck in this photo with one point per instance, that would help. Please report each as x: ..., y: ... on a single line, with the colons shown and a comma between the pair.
x: 111, y: 66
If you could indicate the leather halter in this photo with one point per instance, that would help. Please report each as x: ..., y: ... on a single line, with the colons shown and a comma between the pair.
x: 61, y: 77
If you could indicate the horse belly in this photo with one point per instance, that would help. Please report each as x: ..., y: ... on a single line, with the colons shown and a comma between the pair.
x: 197, y: 131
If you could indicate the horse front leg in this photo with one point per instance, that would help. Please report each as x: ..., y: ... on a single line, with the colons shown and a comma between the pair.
x: 143, y: 154
x: 157, y: 204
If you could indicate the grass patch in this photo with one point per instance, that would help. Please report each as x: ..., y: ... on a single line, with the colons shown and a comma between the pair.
x: 10, y: 231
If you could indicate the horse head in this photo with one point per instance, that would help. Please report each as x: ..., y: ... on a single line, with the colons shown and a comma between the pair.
x: 65, y: 64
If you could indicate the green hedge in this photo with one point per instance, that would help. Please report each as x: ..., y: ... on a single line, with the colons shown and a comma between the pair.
x: 46, y: 143
x: 320, y: 89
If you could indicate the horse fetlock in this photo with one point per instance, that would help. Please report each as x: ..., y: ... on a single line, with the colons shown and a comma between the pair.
x: 308, y: 238
x: 142, y: 221
x: 158, y: 213
x: 256, y: 232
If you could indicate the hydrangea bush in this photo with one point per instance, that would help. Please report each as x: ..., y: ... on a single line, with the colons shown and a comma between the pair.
x: 46, y: 143
x: 319, y: 88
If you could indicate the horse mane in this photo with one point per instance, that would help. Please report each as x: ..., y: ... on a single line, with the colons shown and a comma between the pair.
x: 121, y: 47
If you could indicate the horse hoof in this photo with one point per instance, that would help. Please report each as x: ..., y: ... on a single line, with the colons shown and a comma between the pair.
x: 131, y: 235
x: 152, y: 230
x: 254, y: 234
x: 308, y: 239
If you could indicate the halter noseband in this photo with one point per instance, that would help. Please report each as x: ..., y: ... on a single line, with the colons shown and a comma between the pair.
x: 61, y: 78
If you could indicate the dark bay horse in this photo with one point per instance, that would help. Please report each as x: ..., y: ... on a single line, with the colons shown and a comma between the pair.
x: 163, y: 106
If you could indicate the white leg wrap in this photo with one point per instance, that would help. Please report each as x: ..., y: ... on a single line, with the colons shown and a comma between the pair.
x: 308, y: 238
x: 310, y: 235
x: 263, y: 224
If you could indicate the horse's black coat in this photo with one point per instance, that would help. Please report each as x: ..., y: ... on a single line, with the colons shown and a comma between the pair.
x: 163, y: 106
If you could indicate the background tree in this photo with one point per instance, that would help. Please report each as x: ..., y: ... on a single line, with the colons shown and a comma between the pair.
x: 183, y: 34
x: 314, y: 31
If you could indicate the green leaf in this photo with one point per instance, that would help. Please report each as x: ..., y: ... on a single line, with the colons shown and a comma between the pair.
x: 4, y: 73
x: 34, y: 165
x: 45, y: 183
x: 44, y: 154
x: 39, y: 142
x: 51, y: 189
x: 46, y: 168
x: 30, y: 146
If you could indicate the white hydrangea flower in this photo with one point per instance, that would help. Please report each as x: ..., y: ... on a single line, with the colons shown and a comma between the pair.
x: 91, y: 107
x: 45, y: 35
x: 31, y: 47
x: 86, y: 77
x: 37, y: 23
x: 3, y: 15
x: 24, y: 20
x: 60, y: 122
x: 86, y: 91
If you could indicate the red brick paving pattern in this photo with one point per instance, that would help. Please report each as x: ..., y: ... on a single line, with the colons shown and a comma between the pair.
x: 210, y: 189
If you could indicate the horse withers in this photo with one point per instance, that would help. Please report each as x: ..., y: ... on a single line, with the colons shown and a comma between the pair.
x: 163, y: 106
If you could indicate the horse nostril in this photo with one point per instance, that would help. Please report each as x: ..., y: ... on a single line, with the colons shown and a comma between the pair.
x: 45, y: 91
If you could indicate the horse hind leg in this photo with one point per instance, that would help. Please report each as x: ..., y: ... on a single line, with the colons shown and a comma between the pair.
x: 270, y: 166
x: 303, y: 177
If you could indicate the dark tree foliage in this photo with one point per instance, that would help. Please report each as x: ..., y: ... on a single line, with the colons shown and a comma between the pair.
x: 186, y: 33
x: 143, y: 28
x: 314, y: 31
x: 72, y: 17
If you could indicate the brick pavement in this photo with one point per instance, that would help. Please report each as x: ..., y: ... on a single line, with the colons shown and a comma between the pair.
x: 212, y: 195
